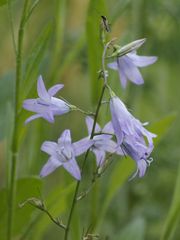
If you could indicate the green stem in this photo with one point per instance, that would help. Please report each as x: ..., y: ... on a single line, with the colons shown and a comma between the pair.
x: 83, y: 165
x: 91, y: 136
x: 14, y: 146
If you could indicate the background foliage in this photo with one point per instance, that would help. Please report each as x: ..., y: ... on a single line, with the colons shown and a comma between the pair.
x: 62, y: 44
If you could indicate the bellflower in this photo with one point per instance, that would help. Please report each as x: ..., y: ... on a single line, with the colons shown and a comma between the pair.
x: 63, y: 154
x: 127, y: 67
x: 102, y: 142
x: 46, y: 106
x: 134, y: 139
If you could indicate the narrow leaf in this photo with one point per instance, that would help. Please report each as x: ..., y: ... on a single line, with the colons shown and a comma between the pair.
x: 95, y: 47
x: 34, y: 61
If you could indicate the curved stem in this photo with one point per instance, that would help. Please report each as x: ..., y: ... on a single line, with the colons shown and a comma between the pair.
x: 14, y: 145
x: 83, y: 165
x: 105, y: 75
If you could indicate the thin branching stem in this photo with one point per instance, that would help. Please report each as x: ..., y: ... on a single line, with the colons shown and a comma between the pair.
x: 83, y: 165
x: 54, y: 220
x: 91, y: 137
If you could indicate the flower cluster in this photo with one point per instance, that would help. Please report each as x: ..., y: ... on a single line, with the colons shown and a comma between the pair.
x: 123, y: 135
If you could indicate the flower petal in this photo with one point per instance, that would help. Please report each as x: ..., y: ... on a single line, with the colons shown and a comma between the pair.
x: 100, y: 156
x: 122, y: 76
x: 36, y: 105
x: 53, y: 90
x: 113, y: 65
x: 82, y: 146
x: 142, y: 61
x: 116, y: 125
x: 108, y: 128
x: 109, y: 146
x: 42, y: 92
x: 30, y: 101
x: 59, y: 105
x: 72, y: 167
x: 89, y: 123
x: 142, y: 165
x: 130, y: 70
x: 48, y: 115
x: 65, y: 137
x: 32, y: 118
x: 50, y: 166
x: 49, y: 147
x: 29, y: 104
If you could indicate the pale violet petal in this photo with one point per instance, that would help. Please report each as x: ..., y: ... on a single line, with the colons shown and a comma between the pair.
x: 48, y: 115
x: 35, y: 107
x: 109, y: 146
x: 142, y: 61
x: 65, y: 137
x: 42, y: 92
x: 59, y: 104
x: 116, y: 126
x: 108, y: 128
x: 49, y: 147
x: 113, y: 65
x: 82, y: 146
x: 120, y: 151
x: 53, y: 90
x: 130, y: 70
x: 142, y: 165
x: 89, y: 123
x: 50, y: 166
x: 72, y: 167
x: 100, y: 156
x: 122, y: 75
x: 29, y: 104
x: 35, y: 116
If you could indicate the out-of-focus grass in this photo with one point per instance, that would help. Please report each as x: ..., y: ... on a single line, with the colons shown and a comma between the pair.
x: 148, y: 198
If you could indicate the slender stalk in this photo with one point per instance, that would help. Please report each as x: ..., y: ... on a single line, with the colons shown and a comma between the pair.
x: 83, y: 165
x: 75, y: 198
x: 14, y: 144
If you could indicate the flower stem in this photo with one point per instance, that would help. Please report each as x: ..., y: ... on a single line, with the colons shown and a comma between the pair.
x: 14, y: 144
x: 83, y: 165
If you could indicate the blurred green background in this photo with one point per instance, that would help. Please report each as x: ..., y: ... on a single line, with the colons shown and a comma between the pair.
x: 61, y: 42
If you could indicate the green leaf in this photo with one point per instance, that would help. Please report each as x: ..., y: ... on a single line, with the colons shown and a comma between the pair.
x: 34, y: 61
x: 161, y: 127
x: 6, y: 100
x: 72, y: 55
x: 26, y: 188
x: 3, y: 2
x: 58, y: 37
x: 174, y: 212
x: 134, y: 230
x: 123, y: 169
x: 95, y: 48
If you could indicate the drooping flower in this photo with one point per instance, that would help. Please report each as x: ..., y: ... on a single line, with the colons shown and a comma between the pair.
x: 63, y: 154
x: 127, y: 67
x: 102, y: 142
x: 135, y: 140
x: 46, y: 106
